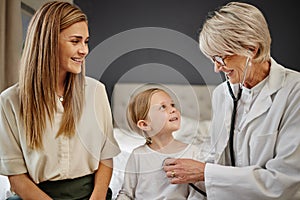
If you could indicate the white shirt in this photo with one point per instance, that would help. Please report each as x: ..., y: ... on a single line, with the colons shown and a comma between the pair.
x: 61, y: 157
x: 146, y: 180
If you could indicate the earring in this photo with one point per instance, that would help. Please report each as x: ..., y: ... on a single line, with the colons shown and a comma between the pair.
x: 148, y: 140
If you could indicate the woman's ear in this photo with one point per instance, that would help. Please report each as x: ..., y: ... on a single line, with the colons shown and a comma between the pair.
x: 143, y: 125
x: 253, y: 51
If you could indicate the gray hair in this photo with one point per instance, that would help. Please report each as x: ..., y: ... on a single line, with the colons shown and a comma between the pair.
x: 234, y: 29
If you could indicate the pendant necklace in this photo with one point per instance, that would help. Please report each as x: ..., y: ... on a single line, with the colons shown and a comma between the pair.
x: 61, y: 98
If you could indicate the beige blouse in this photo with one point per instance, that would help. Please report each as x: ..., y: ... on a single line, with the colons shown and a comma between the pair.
x: 62, y: 157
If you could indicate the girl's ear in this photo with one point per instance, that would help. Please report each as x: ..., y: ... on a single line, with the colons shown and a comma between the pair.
x: 143, y: 125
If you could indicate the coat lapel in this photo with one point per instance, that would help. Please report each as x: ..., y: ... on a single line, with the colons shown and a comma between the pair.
x: 262, y: 104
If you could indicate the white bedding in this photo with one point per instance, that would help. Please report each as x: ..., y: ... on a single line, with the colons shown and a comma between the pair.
x: 4, y: 188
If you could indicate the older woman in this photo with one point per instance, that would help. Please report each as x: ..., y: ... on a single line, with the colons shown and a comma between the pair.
x: 255, y: 152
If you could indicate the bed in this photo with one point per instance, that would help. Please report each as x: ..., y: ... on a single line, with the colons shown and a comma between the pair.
x: 194, y: 102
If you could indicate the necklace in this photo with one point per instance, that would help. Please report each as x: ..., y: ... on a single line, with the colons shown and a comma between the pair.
x: 61, y: 98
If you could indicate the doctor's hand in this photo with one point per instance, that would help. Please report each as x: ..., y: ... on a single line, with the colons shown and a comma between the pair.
x: 184, y: 170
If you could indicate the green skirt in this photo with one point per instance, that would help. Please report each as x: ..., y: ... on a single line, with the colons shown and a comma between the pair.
x: 70, y: 189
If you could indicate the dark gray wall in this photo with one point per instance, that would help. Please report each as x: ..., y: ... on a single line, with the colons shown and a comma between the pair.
x: 156, y: 40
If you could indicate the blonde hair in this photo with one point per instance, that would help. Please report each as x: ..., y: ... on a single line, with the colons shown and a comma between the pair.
x: 138, y: 108
x: 234, y: 29
x: 39, y: 72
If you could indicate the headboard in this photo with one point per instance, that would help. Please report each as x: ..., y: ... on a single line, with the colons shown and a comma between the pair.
x: 194, y: 100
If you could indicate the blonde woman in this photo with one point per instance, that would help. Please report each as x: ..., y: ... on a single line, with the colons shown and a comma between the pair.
x: 56, y: 138
x: 256, y: 113
x: 152, y: 113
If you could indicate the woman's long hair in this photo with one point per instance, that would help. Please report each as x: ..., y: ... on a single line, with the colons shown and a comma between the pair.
x: 39, y: 72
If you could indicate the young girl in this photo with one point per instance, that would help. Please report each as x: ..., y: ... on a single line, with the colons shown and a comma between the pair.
x: 152, y: 114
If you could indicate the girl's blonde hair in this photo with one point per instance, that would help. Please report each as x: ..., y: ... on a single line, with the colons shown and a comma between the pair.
x: 235, y: 29
x: 39, y: 71
x: 138, y: 108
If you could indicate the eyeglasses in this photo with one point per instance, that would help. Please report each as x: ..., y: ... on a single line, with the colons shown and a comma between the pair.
x: 219, y: 60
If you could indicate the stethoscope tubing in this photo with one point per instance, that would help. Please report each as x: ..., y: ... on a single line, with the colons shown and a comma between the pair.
x: 235, y: 100
x: 233, y: 117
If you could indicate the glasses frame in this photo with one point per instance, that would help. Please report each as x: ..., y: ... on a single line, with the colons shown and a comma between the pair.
x: 219, y: 59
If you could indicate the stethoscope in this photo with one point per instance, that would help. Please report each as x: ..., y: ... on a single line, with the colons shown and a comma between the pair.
x: 235, y: 100
x: 233, y: 117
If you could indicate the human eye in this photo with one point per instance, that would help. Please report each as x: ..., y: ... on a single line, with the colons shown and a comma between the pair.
x: 162, y: 107
x: 74, y: 41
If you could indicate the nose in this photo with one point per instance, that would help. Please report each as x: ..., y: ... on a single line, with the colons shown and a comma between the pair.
x: 84, y: 49
x: 173, y: 109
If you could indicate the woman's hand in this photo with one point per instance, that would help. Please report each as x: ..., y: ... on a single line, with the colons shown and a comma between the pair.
x: 184, y: 170
x: 102, y: 179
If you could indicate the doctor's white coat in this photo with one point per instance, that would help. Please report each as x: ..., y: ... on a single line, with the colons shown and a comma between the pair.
x: 268, y: 152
